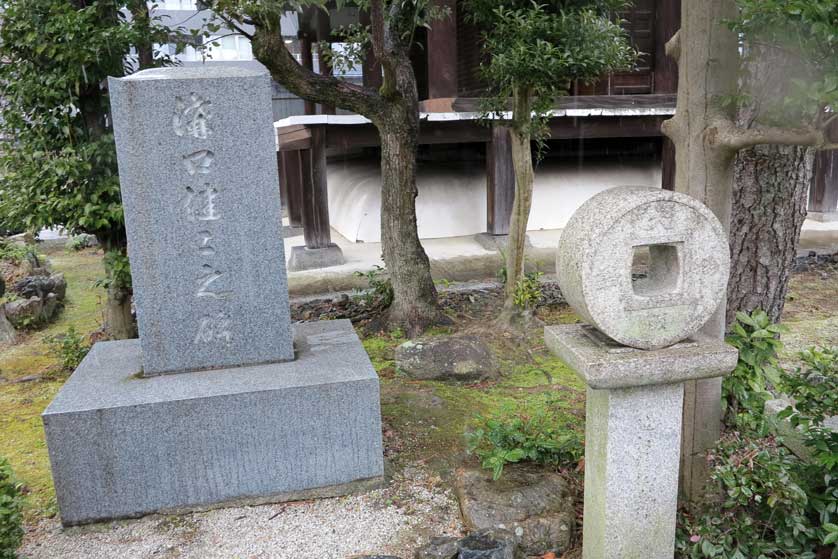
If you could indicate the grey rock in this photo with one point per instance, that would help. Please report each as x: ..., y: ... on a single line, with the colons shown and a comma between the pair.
x: 688, y: 269
x: 444, y: 547
x: 303, y: 258
x: 534, y: 504
x: 41, y: 286
x: 8, y: 335
x: 123, y: 445
x: 489, y: 544
x: 23, y: 313
x: 197, y: 164
x: 454, y: 358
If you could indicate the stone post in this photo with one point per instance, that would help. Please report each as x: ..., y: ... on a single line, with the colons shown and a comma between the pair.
x: 636, y: 353
x: 199, y: 188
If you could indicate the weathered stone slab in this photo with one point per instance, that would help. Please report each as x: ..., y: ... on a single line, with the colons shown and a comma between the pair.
x: 123, y: 445
x: 198, y: 174
x: 602, y: 363
x: 688, y: 269
x: 450, y: 358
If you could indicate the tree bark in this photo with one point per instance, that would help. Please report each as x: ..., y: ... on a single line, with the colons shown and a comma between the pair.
x: 521, y: 205
x: 119, y: 322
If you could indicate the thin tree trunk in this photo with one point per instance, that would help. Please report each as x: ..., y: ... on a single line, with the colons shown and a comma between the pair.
x: 769, y: 208
x: 119, y: 322
x: 414, y: 305
x: 521, y: 206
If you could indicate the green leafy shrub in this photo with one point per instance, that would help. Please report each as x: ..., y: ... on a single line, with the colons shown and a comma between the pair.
x: 745, y: 390
x: 528, y: 291
x: 79, y: 242
x: 13, y: 252
x: 764, y: 512
x: 380, y: 287
x: 69, y: 348
x: 511, y: 435
x: 118, y: 270
x: 11, y: 518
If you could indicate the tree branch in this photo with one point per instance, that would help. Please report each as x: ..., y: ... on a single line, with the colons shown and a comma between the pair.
x: 271, y: 51
x: 727, y: 134
x: 673, y: 46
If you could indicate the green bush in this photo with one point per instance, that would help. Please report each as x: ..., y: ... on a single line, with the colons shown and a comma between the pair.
x: 745, y: 390
x: 528, y: 291
x: 70, y: 348
x: 13, y: 252
x: 774, y: 505
x: 11, y: 504
x: 380, y: 288
x: 512, y: 435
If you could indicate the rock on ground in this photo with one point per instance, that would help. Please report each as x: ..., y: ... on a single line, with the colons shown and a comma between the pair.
x: 535, y: 504
x: 454, y: 358
x: 392, y: 520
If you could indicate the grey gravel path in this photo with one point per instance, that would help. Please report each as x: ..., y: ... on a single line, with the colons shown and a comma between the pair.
x: 392, y: 520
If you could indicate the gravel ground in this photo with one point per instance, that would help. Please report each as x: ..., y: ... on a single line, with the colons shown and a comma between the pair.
x: 392, y: 520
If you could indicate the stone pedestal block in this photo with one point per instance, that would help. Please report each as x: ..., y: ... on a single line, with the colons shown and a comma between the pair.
x: 123, y: 445
x: 633, y: 435
x: 304, y: 258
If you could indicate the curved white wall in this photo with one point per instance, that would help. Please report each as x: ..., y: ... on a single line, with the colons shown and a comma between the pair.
x: 452, y: 197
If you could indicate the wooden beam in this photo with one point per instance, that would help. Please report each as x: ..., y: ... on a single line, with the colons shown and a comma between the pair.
x: 500, y: 182
x: 823, y: 195
x: 442, y: 53
x: 650, y: 101
x: 667, y: 23
x: 292, y: 178
x: 315, y: 205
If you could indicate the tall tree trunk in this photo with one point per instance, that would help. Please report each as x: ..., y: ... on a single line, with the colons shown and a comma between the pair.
x: 706, y: 52
x: 414, y: 305
x: 521, y: 205
x: 119, y: 323
x: 769, y: 208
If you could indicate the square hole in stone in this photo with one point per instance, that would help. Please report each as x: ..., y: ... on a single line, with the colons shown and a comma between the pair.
x: 662, y: 266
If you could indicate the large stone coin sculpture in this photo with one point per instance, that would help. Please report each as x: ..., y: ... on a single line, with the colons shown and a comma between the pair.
x: 221, y: 400
x: 689, y: 263
x: 640, y: 345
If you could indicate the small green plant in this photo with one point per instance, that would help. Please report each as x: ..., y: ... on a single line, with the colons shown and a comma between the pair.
x: 69, y: 348
x: 79, y: 242
x: 11, y: 505
x: 380, y: 290
x: 528, y: 291
x: 118, y: 270
x: 511, y: 435
x: 13, y: 252
x: 745, y: 390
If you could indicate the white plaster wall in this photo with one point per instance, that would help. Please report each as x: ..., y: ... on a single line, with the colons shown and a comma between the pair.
x: 452, y: 197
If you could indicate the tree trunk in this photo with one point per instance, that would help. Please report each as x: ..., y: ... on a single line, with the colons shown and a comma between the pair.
x: 119, y: 322
x: 521, y: 206
x: 414, y: 305
x: 769, y: 208
x: 706, y: 52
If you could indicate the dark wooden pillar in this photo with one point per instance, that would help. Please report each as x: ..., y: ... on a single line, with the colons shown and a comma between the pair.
x: 307, y: 62
x: 667, y: 23
x: 291, y: 177
x: 324, y: 35
x: 315, y: 206
x: 500, y: 181
x: 823, y: 195
x: 442, y: 53
x: 371, y: 68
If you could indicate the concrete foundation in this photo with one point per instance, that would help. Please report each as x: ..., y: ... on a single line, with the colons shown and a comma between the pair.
x: 823, y: 217
x: 303, y: 258
x: 122, y: 445
x: 497, y: 242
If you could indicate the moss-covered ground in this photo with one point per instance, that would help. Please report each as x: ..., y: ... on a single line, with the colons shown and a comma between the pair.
x: 423, y: 420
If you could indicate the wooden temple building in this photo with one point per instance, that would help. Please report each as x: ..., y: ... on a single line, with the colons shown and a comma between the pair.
x: 621, y: 113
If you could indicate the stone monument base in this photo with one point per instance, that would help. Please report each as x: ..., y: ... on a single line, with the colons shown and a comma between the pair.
x: 823, y: 217
x: 497, y: 242
x: 304, y: 258
x: 122, y: 445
